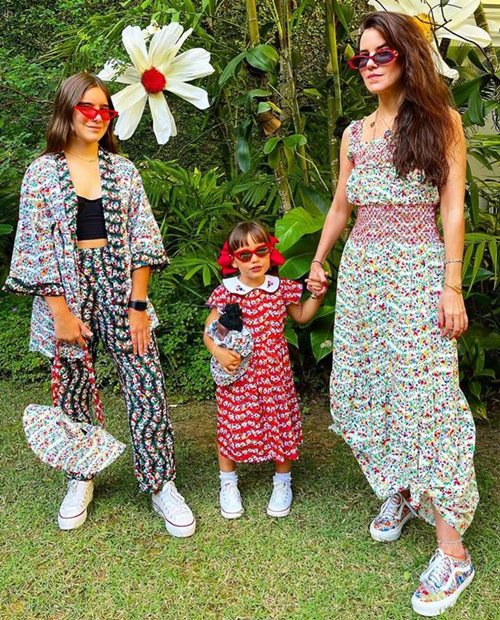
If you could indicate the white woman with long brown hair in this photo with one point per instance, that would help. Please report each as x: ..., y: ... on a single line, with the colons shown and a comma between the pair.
x: 86, y: 243
x: 395, y: 395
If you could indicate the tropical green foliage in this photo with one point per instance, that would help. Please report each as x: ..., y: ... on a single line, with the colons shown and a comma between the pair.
x: 266, y: 148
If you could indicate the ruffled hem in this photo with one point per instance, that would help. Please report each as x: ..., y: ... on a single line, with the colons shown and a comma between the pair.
x: 19, y: 287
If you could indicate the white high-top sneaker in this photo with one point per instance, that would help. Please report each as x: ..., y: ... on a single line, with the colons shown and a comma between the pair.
x: 230, y: 500
x: 172, y: 507
x: 73, y: 510
x: 280, y: 502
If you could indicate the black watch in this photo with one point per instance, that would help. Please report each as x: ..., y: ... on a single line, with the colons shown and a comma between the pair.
x: 138, y: 305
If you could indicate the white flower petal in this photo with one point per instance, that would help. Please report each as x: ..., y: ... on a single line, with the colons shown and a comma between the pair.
x: 168, y: 55
x: 466, y: 33
x: 129, y: 76
x: 127, y: 121
x: 192, y: 64
x: 441, y: 66
x: 193, y: 94
x: 162, y: 42
x: 128, y: 97
x: 162, y: 118
x: 454, y: 13
x: 110, y: 70
x: 114, y: 70
x: 133, y: 41
x: 411, y: 7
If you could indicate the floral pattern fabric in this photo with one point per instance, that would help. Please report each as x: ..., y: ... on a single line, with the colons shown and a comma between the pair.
x: 141, y: 377
x: 44, y: 260
x: 395, y: 395
x: 258, y: 416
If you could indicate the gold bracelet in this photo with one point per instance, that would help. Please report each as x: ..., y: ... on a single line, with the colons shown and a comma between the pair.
x: 457, y: 289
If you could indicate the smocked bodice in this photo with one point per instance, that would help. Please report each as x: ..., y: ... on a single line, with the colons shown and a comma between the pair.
x: 389, y: 206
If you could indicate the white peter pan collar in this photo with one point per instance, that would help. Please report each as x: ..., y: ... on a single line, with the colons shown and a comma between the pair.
x: 233, y: 285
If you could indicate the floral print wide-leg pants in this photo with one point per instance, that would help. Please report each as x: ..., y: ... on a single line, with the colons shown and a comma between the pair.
x: 141, y: 377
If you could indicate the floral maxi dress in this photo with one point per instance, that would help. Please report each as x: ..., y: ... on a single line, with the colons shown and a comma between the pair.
x: 395, y: 395
x: 258, y: 416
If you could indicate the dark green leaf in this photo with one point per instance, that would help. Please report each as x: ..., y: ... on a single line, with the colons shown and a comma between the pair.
x: 296, y: 139
x: 230, y: 68
x: 295, y: 224
x: 243, y: 153
x: 321, y: 343
x: 263, y: 57
x: 476, y: 108
x: 462, y: 93
x: 270, y: 144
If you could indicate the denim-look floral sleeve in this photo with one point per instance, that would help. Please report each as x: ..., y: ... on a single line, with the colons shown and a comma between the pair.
x: 145, y: 240
x: 34, y: 268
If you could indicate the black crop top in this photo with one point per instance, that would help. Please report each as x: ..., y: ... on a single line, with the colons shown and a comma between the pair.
x: 90, y: 219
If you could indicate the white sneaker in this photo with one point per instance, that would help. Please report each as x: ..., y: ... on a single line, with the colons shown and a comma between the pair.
x: 388, y: 524
x: 281, y: 499
x: 171, y: 506
x: 73, y: 510
x: 230, y: 500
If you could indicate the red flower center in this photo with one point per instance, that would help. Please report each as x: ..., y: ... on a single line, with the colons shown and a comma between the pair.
x: 153, y: 81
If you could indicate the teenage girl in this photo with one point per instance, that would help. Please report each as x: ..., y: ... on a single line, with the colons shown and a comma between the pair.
x: 85, y: 246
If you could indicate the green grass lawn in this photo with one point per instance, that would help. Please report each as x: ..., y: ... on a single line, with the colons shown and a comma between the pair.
x: 318, y: 563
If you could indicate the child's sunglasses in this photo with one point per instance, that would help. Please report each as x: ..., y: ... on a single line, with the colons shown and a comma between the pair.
x: 91, y: 113
x: 382, y: 57
x: 245, y: 254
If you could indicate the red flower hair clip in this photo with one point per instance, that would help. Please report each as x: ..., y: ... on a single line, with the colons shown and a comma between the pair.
x: 225, y: 259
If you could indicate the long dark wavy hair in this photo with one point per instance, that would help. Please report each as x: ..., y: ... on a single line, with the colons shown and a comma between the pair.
x: 59, y: 131
x: 424, y: 129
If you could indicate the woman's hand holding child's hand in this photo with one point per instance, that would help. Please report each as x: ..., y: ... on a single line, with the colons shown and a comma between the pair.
x: 317, y: 282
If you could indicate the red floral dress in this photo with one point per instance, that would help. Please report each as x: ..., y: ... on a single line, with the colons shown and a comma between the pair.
x: 258, y: 416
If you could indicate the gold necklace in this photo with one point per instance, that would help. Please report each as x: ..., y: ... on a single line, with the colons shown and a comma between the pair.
x: 89, y: 161
x: 374, y: 123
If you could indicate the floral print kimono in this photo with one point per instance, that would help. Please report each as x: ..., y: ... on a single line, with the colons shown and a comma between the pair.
x: 96, y: 284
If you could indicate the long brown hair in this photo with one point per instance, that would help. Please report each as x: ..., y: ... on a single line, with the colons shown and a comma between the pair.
x: 59, y: 131
x: 424, y: 129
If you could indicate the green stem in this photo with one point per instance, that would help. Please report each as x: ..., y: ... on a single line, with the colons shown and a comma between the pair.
x: 482, y: 22
x: 334, y: 101
x: 291, y: 108
x: 253, y: 22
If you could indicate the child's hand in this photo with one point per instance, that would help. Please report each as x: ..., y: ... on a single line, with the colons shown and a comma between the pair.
x: 228, y: 359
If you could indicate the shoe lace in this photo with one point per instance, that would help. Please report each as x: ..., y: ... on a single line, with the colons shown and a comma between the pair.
x: 230, y: 490
x: 437, y: 572
x: 280, y: 490
x: 172, y: 500
x: 73, y: 487
x: 390, y: 508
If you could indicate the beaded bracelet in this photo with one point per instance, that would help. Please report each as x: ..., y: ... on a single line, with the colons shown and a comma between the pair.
x: 317, y: 261
x: 454, y: 260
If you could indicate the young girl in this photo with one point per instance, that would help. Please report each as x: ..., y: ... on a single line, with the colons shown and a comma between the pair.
x: 258, y: 417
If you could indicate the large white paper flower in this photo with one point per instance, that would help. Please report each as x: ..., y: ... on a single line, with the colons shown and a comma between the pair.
x: 152, y: 72
x: 440, y: 19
